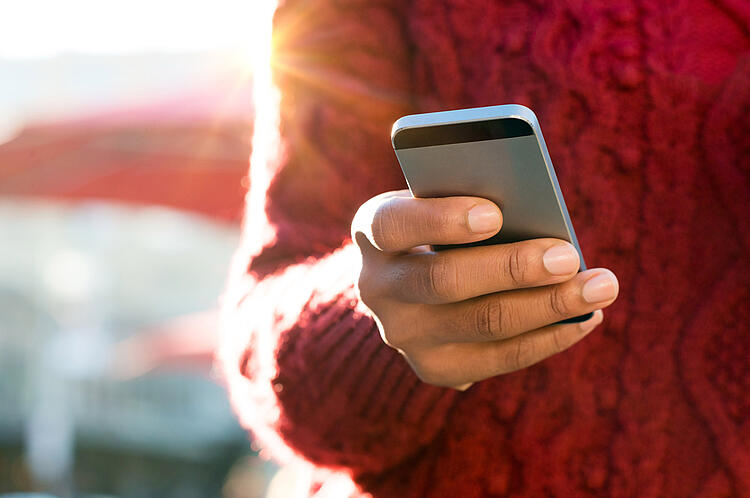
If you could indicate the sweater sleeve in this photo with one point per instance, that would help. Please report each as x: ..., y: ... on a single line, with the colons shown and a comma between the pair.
x: 309, y: 375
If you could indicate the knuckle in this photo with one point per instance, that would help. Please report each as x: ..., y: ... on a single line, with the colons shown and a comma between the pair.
x: 365, y: 289
x: 443, y: 223
x: 428, y: 370
x: 372, y: 283
x: 443, y: 280
x: 489, y: 319
x: 516, y: 267
x: 397, y: 328
x: 558, y: 339
x: 558, y: 302
x: 391, y: 335
x: 385, y: 228
x: 427, y: 376
x: 363, y: 220
x: 519, y: 355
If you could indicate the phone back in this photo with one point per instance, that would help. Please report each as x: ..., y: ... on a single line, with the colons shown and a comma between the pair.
x: 460, y: 154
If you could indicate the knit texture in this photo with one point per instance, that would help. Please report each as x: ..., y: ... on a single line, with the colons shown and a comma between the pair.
x: 644, y: 107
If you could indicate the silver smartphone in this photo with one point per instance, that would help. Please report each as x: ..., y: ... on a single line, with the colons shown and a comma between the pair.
x: 497, y: 153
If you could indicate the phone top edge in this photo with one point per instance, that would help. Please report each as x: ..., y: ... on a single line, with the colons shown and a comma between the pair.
x: 458, y: 116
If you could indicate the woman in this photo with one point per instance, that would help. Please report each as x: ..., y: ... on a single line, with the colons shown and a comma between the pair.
x: 643, y: 106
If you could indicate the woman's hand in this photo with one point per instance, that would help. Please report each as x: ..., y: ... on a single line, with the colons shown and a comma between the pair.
x: 463, y: 315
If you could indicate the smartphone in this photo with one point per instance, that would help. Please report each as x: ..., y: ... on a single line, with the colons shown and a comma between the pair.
x: 497, y: 153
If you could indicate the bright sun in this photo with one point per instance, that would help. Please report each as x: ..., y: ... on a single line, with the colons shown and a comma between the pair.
x: 266, y: 139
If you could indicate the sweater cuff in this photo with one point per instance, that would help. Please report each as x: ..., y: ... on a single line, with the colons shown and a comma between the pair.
x: 348, y: 399
x: 321, y: 383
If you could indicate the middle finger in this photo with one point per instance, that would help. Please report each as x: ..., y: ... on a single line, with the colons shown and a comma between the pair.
x: 508, y: 314
x: 459, y: 274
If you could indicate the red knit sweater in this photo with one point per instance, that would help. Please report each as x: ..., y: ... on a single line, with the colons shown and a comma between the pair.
x: 644, y: 106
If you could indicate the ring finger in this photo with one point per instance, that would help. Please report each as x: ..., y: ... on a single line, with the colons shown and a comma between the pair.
x: 459, y: 364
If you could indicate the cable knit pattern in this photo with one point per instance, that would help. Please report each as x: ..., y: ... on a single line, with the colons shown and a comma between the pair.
x: 645, y: 107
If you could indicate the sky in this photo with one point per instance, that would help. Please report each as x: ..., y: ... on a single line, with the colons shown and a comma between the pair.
x: 44, y: 28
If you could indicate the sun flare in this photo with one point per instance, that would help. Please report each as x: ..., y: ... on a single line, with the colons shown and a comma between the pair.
x: 266, y: 139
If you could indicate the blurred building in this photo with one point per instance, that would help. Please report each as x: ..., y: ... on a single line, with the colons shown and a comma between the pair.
x: 74, y: 282
x: 118, y: 215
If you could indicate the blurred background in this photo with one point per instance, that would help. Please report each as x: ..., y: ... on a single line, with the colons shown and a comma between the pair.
x: 125, y: 131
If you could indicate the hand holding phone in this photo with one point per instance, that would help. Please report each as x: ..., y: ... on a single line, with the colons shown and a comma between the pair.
x: 497, y: 153
x: 470, y: 312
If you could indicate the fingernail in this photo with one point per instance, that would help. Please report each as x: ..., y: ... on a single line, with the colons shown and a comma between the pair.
x: 602, y: 287
x: 484, y: 218
x: 592, y: 322
x: 561, y: 259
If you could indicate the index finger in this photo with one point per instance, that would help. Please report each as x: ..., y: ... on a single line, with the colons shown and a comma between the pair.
x: 395, y: 222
